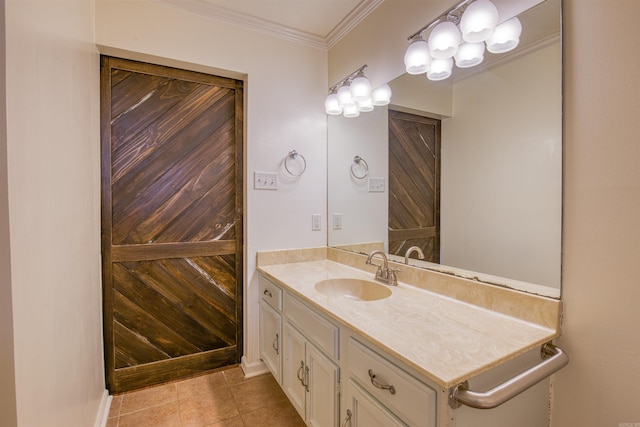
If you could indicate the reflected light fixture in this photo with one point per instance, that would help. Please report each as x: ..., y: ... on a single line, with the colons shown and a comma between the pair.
x: 469, y: 55
x: 478, y: 21
x: 417, y: 58
x: 360, y: 87
x: 353, y: 95
x: 381, y: 95
x: 444, y: 40
x: 463, y: 33
x: 505, y: 37
x: 332, y: 105
x: 440, y: 69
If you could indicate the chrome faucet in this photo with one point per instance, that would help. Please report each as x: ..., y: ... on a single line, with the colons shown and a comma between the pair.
x: 410, y: 250
x: 384, y: 274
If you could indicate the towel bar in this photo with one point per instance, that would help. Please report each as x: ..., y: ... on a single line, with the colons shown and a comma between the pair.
x: 554, y: 359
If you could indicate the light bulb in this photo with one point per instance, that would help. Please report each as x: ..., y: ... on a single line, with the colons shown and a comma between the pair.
x: 381, y: 96
x: 416, y: 58
x: 360, y: 88
x: 344, y: 97
x: 332, y: 105
x: 351, y: 111
x: 478, y: 21
x: 444, y: 40
x: 506, y: 36
x: 440, y: 69
x: 469, y: 55
x: 365, y: 105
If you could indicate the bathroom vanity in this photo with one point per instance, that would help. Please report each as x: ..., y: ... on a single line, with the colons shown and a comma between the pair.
x: 350, y: 351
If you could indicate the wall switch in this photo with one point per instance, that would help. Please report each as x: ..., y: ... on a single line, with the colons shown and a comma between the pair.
x: 265, y: 181
x: 376, y: 185
x: 337, y: 221
x: 315, y: 222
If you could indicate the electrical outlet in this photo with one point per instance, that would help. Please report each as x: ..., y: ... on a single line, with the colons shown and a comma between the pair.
x: 376, y: 185
x: 337, y: 221
x: 265, y: 181
x: 316, y: 220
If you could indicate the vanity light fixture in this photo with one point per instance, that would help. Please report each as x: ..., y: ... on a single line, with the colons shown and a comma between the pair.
x: 381, y: 95
x: 417, y: 58
x: 505, y: 37
x: 460, y: 33
x: 353, y: 95
x: 332, y: 105
x: 360, y: 87
x: 478, y: 21
x: 444, y: 40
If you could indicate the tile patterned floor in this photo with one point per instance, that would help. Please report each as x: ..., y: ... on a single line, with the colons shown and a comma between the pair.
x: 220, y: 399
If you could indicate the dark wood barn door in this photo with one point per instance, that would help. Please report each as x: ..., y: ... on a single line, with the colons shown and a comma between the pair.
x: 414, y: 184
x: 171, y: 222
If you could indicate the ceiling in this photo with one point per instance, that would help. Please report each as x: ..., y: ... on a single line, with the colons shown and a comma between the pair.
x: 318, y: 23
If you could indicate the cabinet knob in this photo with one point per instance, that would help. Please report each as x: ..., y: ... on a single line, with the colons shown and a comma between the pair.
x: 268, y: 293
x: 379, y: 385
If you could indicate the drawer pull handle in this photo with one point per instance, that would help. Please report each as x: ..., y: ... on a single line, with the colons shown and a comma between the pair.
x: 379, y: 385
x: 347, y: 419
x: 300, y: 372
x: 275, y: 344
x: 268, y: 292
x: 305, y: 382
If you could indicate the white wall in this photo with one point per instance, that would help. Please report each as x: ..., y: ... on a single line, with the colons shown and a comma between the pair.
x: 601, y: 247
x: 364, y: 213
x: 53, y: 205
x: 285, y: 88
x: 501, y: 203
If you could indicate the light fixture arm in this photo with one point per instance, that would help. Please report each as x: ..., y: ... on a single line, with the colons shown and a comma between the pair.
x: 348, y: 79
x: 453, y: 15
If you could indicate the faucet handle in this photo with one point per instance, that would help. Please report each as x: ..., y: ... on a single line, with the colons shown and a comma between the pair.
x: 391, y: 276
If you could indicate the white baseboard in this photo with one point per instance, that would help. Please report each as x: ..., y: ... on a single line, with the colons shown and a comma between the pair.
x: 252, y: 369
x: 103, y: 410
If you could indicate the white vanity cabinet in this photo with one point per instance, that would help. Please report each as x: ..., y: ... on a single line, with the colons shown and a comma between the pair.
x: 314, y: 355
x: 364, y: 411
x: 271, y: 327
x: 380, y: 390
x: 311, y: 375
x: 310, y: 380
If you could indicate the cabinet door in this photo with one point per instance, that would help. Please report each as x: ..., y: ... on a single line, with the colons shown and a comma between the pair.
x: 294, y: 368
x: 271, y: 339
x: 322, y: 395
x: 366, y: 411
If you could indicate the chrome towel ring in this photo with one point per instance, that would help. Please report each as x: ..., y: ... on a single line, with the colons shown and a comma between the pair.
x: 295, y: 163
x: 359, y: 168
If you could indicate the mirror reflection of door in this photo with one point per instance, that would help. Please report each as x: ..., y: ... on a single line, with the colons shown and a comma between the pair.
x: 414, y: 184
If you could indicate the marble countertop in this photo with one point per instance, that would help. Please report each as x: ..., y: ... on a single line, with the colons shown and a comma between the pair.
x: 446, y: 340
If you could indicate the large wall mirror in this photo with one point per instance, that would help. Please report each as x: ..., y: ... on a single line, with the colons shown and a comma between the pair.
x: 497, y: 175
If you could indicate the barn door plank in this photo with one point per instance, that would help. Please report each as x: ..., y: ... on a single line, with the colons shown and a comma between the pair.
x: 171, y: 222
x: 414, y: 184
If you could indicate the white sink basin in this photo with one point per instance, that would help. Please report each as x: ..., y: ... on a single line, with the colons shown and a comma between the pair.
x: 353, y: 289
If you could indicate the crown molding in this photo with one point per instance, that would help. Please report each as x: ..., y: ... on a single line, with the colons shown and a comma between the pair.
x: 204, y: 8
x: 351, y: 20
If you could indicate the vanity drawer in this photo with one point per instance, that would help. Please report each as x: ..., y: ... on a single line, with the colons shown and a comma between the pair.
x: 319, y: 330
x: 271, y: 293
x: 413, y: 400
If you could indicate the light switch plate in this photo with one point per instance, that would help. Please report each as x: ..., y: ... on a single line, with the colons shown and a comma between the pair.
x: 337, y: 221
x: 376, y: 185
x: 265, y: 181
x: 316, y: 220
